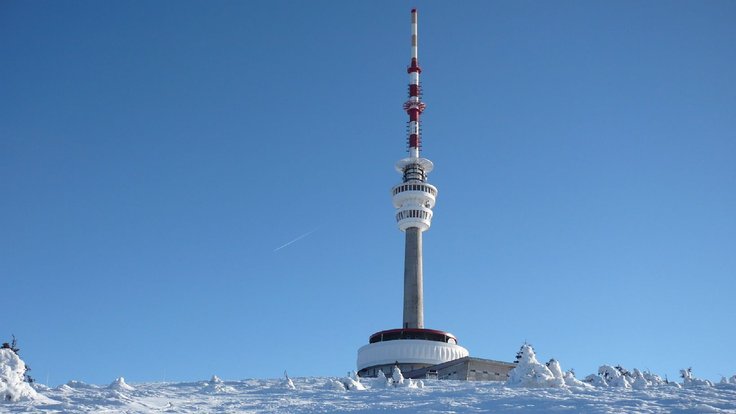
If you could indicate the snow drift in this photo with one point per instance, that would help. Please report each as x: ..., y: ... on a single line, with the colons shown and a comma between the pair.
x: 120, y: 385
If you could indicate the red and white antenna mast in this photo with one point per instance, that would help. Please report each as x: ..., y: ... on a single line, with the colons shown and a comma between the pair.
x: 414, y: 106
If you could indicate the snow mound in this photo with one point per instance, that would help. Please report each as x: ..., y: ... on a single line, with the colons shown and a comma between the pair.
x: 79, y: 385
x: 352, y: 382
x: 532, y: 374
x: 120, y: 385
x: 65, y: 388
x: 571, y: 381
x: 381, y: 380
x: 335, y: 385
x: 12, y: 385
x: 217, y: 386
x: 653, y: 379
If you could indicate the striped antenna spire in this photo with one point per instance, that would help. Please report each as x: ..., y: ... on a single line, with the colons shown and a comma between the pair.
x: 414, y: 106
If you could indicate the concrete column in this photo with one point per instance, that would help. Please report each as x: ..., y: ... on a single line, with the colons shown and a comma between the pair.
x: 413, y: 280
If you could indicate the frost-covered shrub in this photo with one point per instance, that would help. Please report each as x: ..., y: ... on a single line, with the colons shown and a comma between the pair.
x: 618, y: 376
x: 689, y: 381
x: 595, y: 380
x: 397, y: 378
x: 287, y: 382
x: 571, y: 381
x: 531, y: 373
x: 556, y: 370
x: 381, y: 379
x: 352, y: 382
x: 217, y: 386
x: 614, y: 376
x: 653, y: 379
x: 640, y: 382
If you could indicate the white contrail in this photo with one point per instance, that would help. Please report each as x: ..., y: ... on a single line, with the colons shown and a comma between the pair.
x: 295, y: 240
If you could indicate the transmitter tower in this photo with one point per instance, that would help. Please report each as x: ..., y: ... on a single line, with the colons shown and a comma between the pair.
x: 412, y: 347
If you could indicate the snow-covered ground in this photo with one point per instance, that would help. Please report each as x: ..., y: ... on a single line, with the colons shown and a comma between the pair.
x: 325, y: 395
x: 532, y: 387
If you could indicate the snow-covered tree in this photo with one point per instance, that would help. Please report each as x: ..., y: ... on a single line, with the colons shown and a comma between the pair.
x: 556, y: 370
x: 15, y: 385
x: 653, y: 379
x: 640, y: 382
x: 531, y: 373
x: 288, y: 383
x: 519, y: 354
x: 382, y: 380
x: 397, y: 378
x: 613, y: 376
x: 689, y: 381
x: 13, y: 346
x: 352, y: 382
x: 571, y: 381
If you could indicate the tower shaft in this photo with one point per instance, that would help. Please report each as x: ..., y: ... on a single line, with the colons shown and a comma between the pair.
x: 413, y: 280
x: 414, y: 198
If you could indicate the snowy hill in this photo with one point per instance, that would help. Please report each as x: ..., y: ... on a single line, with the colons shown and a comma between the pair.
x: 531, y: 387
x: 322, y: 395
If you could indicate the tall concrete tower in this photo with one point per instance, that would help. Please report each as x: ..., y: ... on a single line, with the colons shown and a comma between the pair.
x: 414, y: 197
x: 411, y: 347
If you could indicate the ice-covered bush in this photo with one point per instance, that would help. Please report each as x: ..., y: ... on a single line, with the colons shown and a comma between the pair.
x: 287, y: 382
x: 531, y: 373
x: 614, y: 376
x: 352, y: 382
x: 397, y: 378
x: 689, y: 381
x: 653, y: 379
x: 381, y: 379
x: 571, y: 381
x: 556, y: 370
x: 640, y: 382
x: 217, y: 386
x: 13, y: 386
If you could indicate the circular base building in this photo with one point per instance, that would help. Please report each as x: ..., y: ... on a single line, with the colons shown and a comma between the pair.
x: 409, y: 349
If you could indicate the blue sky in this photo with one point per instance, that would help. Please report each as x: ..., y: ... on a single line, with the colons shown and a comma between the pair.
x: 154, y: 155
